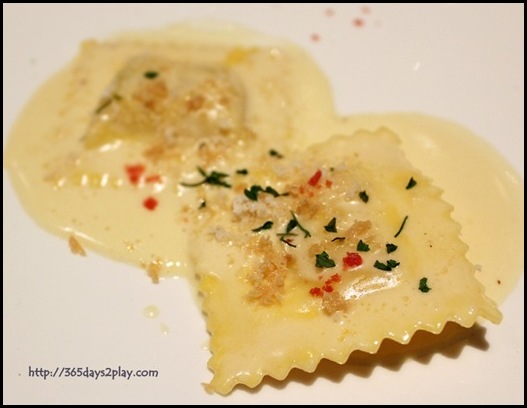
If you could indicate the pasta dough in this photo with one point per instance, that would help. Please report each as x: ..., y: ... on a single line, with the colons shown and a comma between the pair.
x: 283, y: 297
x: 307, y: 254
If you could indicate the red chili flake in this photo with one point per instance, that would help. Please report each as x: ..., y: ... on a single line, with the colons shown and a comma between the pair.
x: 316, y: 292
x: 150, y: 203
x: 134, y: 172
x: 334, y: 278
x: 352, y: 260
x: 315, y: 178
x: 155, y: 178
x: 327, y: 288
x: 358, y: 22
x: 329, y: 183
x: 315, y: 37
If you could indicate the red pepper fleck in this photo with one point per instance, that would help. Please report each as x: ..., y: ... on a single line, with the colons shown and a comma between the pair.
x: 134, y: 172
x: 150, y: 203
x: 358, y: 22
x: 329, y: 183
x: 155, y: 178
x: 327, y: 288
x: 316, y: 292
x: 352, y: 260
x: 334, y: 278
x: 315, y: 37
x: 315, y: 178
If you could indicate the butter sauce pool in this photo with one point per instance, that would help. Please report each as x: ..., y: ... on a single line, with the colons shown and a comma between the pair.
x: 106, y: 214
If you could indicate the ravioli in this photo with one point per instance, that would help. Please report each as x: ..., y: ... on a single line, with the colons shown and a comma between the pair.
x: 341, y: 247
x: 126, y: 121
x: 160, y: 144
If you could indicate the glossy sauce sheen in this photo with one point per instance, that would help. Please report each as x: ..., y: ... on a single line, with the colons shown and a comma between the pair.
x: 107, y: 213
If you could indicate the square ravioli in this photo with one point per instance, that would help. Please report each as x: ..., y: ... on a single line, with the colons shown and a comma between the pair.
x: 320, y: 253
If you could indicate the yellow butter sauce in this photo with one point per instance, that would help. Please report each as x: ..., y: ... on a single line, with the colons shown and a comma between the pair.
x: 105, y: 212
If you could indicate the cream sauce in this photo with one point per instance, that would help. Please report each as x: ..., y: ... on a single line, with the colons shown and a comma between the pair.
x: 69, y: 190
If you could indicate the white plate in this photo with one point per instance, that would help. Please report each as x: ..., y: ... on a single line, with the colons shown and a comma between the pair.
x: 460, y: 62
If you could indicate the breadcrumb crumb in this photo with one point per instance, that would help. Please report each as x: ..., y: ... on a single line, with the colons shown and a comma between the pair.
x: 75, y: 246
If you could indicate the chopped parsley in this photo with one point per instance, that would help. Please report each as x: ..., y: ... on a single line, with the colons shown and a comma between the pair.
x: 388, y: 266
x: 362, y: 246
x: 391, y: 248
x: 305, y: 231
x: 275, y: 153
x: 381, y: 266
x: 401, y: 227
x: 252, y: 192
x: 272, y: 191
x: 411, y: 183
x: 285, y: 236
x: 151, y: 74
x: 332, y: 225
x: 392, y: 263
x: 324, y: 261
x: 243, y: 172
x: 423, y: 285
x: 215, y: 178
x: 338, y: 239
x: 291, y: 225
x: 266, y: 225
x: 364, y: 196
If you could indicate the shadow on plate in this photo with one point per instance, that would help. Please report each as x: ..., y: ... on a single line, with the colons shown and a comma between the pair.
x: 391, y: 355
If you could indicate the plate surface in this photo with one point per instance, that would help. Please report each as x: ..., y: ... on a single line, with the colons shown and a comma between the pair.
x: 460, y: 62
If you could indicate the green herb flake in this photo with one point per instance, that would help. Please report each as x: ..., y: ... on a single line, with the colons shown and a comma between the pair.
x: 332, y: 225
x: 215, y: 178
x: 364, y: 196
x: 202, y: 205
x: 266, y: 225
x: 151, y: 74
x: 423, y: 285
x: 275, y: 153
x: 272, y: 191
x: 401, y: 227
x: 285, y: 236
x: 411, y: 183
x: 324, y: 261
x: 382, y: 266
x: 388, y: 266
x: 305, y: 231
x: 338, y: 239
x: 391, y: 248
x: 392, y: 263
x: 252, y: 192
x: 242, y: 172
x: 291, y: 225
x: 362, y: 246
